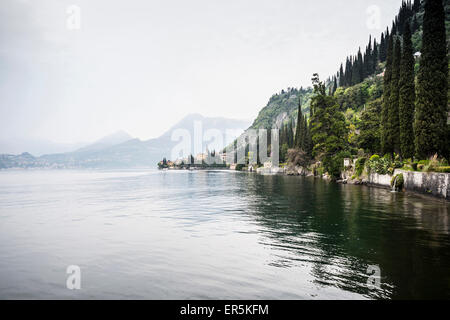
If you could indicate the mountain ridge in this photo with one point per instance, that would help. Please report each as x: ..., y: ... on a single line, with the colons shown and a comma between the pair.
x: 126, y: 153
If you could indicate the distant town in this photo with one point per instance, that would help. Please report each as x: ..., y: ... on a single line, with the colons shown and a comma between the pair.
x: 214, y: 160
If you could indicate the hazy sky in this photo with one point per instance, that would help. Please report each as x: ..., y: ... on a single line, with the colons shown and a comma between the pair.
x: 142, y: 65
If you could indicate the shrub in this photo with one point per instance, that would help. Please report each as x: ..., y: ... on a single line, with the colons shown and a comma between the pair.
x: 443, y: 169
x: 433, y: 163
x: 359, y: 166
x: 319, y: 171
x: 414, y: 165
x: 298, y: 157
x: 408, y: 161
x: 399, y: 181
x: 284, y: 152
x: 334, y: 166
x: 398, y: 164
x: 361, y: 153
x: 408, y: 167
x: 380, y: 165
x: 240, y: 167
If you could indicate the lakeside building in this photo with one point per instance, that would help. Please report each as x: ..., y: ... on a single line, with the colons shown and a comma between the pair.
x: 223, y: 156
x: 268, y: 165
x: 201, y: 157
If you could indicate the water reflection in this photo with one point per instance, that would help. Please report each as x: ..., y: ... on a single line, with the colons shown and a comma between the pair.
x: 216, y: 235
x: 342, y: 229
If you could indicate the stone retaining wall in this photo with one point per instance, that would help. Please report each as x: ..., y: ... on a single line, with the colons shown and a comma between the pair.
x: 432, y: 183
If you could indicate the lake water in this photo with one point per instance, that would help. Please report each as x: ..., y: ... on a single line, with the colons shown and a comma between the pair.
x: 149, y: 234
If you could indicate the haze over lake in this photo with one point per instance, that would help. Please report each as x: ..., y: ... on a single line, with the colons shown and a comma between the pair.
x: 150, y: 234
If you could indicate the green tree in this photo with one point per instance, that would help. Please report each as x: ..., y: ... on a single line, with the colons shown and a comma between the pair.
x: 370, y: 132
x: 307, y: 141
x: 382, y: 49
x: 284, y: 152
x: 329, y: 130
x: 374, y: 56
x: 407, y: 96
x: 385, y: 145
x: 431, y: 101
x: 341, y: 76
x: 299, y: 131
x: 368, y: 59
x: 335, y: 86
x: 394, y: 121
x: 290, y: 134
x: 283, y: 134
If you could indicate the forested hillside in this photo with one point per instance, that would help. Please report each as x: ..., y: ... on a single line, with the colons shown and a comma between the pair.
x: 389, y: 99
x: 281, y: 107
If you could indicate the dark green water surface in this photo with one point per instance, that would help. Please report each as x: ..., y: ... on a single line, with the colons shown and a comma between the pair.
x: 148, y: 234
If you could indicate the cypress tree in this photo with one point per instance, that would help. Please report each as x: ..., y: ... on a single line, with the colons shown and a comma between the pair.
x: 290, y: 134
x: 348, y: 73
x: 414, y: 25
x: 394, y: 28
x: 385, y: 145
x: 407, y: 95
x: 369, y: 138
x: 286, y: 134
x: 387, y: 37
x: 334, y: 86
x: 283, y: 136
x: 431, y: 102
x: 382, y: 53
x: 374, y: 56
x: 299, y: 129
x: 394, y: 121
x: 360, y: 67
x: 307, y: 141
x: 304, y: 134
x: 416, y: 6
x: 402, y: 17
x: 368, y: 59
x: 356, y: 70
x: 341, y: 76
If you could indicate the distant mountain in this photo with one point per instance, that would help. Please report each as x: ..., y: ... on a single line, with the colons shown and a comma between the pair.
x: 108, y: 141
x: 187, y: 123
x: 35, y: 146
x: 118, y: 151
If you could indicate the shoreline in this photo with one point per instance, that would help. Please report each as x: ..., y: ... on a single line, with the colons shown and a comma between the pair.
x: 430, y: 185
